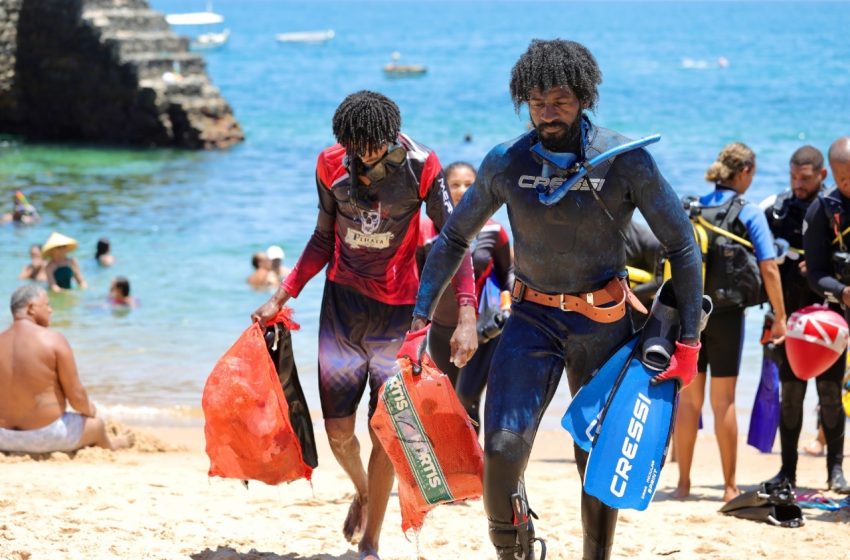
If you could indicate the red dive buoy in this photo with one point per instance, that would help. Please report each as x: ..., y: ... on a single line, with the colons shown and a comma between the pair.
x: 816, y: 338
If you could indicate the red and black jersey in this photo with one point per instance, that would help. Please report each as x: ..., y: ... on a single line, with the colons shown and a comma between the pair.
x: 369, y: 242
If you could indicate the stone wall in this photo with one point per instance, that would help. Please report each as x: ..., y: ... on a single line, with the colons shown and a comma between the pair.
x: 112, y: 71
x: 9, y: 11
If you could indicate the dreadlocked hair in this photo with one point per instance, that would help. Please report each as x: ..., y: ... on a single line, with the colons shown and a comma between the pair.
x: 365, y: 121
x: 548, y: 64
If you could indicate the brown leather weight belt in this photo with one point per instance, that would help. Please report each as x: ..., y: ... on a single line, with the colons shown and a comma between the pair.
x: 586, y: 303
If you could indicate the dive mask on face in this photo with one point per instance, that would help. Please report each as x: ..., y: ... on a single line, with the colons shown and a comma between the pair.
x: 391, y: 161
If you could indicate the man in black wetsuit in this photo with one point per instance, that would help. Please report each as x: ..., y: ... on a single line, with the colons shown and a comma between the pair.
x: 828, y: 267
x: 785, y: 217
x: 569, y: 295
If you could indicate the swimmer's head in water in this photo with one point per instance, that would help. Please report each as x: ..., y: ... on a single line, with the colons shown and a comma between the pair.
x: 549, y: 64
x: 365, y: 123
x: 120, y: 287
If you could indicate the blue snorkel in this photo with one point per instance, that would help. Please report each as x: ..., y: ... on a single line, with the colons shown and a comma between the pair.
x: 567, y: 163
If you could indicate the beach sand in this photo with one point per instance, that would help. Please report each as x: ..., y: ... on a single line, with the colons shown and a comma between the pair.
x: 156, y: 501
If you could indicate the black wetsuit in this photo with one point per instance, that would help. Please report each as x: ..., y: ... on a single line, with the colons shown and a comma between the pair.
x: 570, y: 247
x: 819, y: 248
x: 644, y: 251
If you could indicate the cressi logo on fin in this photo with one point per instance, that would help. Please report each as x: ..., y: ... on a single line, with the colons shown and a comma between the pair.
x: 629, y: 450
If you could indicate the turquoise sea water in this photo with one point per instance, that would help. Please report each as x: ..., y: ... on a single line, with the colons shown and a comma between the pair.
x: 184, y: 225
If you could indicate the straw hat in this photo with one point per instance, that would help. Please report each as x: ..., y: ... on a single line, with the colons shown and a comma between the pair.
x: 57, y: 240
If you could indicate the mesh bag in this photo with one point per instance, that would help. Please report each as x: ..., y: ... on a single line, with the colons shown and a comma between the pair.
x: 429, y: 438
x: 248, y: 432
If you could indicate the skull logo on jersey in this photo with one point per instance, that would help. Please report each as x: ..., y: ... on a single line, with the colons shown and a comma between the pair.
x: 370, y: 220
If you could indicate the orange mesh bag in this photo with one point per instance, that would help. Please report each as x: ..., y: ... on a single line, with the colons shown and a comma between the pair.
x: 248, y: 432
x: 428, y: 436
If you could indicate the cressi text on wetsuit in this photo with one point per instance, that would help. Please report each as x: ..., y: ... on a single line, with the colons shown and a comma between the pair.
x: 570, y: 247
x: 367, y: 236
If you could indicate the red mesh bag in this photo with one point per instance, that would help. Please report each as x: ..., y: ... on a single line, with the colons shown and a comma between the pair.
x: 247, y: 428
x: 429, y: 438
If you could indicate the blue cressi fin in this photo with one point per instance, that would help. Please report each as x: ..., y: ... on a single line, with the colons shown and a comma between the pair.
x: 582, y: 416
x: 631, y: 446
x: 585, y: 167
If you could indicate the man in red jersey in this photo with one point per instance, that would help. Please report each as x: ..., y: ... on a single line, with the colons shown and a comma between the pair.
x: 371, y: 188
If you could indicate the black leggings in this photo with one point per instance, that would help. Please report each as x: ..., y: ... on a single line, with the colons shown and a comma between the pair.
x: 830, y: 415
x: 473, y: 378
x: 440, y: 349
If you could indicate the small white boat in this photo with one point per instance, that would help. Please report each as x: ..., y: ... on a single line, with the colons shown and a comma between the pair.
x: 396, y: 70
x: 403, y: 70
x: 201, y: 37
x: 306, y: 36
x: 211, y: 40
x: 194, y: 18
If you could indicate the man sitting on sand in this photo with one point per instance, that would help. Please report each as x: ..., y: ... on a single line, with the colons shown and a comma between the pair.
x: 39, y: 377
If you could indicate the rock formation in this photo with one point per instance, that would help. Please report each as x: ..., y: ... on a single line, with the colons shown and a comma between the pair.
x: 105, y: 71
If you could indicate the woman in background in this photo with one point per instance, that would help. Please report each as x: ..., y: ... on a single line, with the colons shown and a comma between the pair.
x: 492, y: 262
x: 61, y: 269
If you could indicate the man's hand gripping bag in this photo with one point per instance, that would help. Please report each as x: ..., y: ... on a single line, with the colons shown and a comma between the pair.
x: 429, y: 438
x: 248, y: 432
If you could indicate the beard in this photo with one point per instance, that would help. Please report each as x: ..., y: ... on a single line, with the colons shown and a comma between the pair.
x: 560, y: 137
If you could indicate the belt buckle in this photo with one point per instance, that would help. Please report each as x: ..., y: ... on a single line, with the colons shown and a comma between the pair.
x: 588, y: 297
x: 518, y: 295
x: 563, y: 303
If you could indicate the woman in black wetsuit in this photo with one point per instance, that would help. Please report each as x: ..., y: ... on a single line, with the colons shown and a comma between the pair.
x: 491, y: 259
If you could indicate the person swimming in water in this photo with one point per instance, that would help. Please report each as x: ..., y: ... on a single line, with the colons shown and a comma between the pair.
x: 61, y: 269
x: 119, y: 293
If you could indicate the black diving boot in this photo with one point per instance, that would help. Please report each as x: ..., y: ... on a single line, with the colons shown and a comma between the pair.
x: 782, y: 478
x: 837, y: 482
x: 516, y: 541
x: 595, y: 551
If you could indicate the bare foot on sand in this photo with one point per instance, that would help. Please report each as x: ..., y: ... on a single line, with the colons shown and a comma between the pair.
x: 731, y: 492
x: 682, y: 491
x: 355, y: 521
x: 123, y: 441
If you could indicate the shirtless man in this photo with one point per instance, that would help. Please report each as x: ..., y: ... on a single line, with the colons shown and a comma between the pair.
x: 39, y: 377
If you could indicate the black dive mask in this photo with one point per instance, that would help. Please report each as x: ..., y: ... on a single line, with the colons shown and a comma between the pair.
x: 392, y: 160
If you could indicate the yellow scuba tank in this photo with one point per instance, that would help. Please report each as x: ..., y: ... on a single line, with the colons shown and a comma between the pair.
x: 638, y: 276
